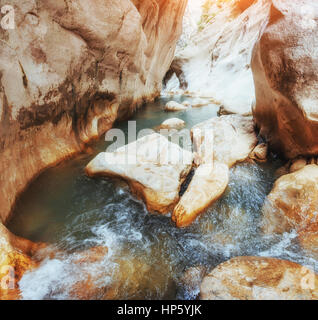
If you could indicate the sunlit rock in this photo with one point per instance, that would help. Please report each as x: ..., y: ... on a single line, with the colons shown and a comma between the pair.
x: 154, y: 168
x: 219, y: 144
x: 175, y: 106
x: 293, y: 201
x: 214, y: 58
x: 257, y: 278
x: 173, y: 123
x: 286, y: 78
x: 234, y: 137
x: 206, y: 187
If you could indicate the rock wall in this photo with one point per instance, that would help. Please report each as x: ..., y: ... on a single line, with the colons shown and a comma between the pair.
x: 285, y: 68
x: 216, y: 60
x: 68, y: 70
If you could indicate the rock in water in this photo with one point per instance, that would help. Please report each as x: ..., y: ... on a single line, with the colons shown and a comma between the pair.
x: 257, y: 278
x: 219, y: 143
x: 175, y: 106
x: 206, y: 187
x: 293, y: 201
x: 154, y: 168
x: 285, y: 68
x: 173, y: 123
x: 234, y: 137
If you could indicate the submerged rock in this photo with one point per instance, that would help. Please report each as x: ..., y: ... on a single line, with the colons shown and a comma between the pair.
x: 257, y: 278
x: 175, y: 106
x: 206, y: 187
x: 285, y: 68
x: 154, y: 168
x: 173, y: 123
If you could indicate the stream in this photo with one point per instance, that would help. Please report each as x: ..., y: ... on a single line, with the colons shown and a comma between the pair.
x: 75, y: 213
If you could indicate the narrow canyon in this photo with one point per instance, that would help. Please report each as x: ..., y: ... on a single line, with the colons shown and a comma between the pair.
x: 158, y: 149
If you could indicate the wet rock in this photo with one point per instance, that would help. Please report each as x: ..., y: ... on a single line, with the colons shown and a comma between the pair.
x: 69, y: 71
x: 206, y: 187
x: 260, y: 153
x: 219, y: 143
x: 293, y: 201
x: 154, y: 168
x: 173, y: 123
x: 257, y: 278
x: 297, y: 164
x: 234, y: 137
x: 175, y: 106
x: 286, y: 78
x: 15, y: 259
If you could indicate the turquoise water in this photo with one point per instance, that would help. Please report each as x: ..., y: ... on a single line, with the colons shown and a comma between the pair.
x: 74, y: 213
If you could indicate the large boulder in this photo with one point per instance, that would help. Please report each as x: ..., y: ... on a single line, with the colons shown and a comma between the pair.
x: 206, y: 187
x: 293, y: 205
x: 154, y: 168
x: 68, y: 70
x: 234, y: 137
x: 293, y: 201
x: 257, y: 278
x: 219, y: 144
x: 285, y: 68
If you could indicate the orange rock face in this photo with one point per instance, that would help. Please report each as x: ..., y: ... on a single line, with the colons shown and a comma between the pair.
x: 75, y: 68
x: 285, y: 65
x: 15, y: 260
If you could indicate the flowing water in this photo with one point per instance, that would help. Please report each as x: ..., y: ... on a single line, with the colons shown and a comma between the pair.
x: 147, y: 255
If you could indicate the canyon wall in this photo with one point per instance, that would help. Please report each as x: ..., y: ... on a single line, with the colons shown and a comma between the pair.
x: 285, y: 68
x: 68, y: 70
x: 215, y: 60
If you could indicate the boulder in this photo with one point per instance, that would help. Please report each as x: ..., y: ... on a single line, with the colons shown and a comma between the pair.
x: 154, y: 168
x: 173, y: 123
x: 175, y: 106
x: 219, y: 144
x: 234, y: 137
x: 257, y: 278
x: 69, y: 70
x: 285, y: 69
x: 293, y: 201
x: 206, y: 187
